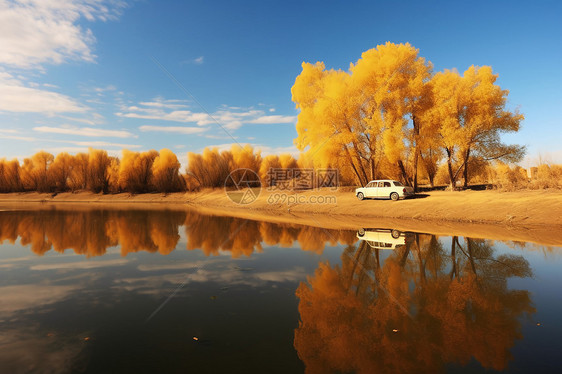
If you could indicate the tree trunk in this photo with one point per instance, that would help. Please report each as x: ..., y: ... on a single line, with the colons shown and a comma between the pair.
x: 403, y: 171
x: 416, y: 151
x: 353, y: 166
x: 358, y: 157
x: 372, y: 162
x: 416, y: 171
x: 450, y: 168
x: 465, y: 171
x: 454, y: 271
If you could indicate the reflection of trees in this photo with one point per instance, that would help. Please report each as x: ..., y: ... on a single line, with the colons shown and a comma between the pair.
x: 243, y: 237
x: 91, y: 232
x: 424, y: 307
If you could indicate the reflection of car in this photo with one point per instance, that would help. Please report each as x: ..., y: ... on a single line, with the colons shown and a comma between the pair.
x: 382, y: 238
x: 384, y: 189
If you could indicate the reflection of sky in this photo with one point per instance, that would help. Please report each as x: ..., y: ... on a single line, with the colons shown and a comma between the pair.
x: 58, y: 307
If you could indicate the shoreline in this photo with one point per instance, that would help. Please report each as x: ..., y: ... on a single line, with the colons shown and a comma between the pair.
x: 531, y: 216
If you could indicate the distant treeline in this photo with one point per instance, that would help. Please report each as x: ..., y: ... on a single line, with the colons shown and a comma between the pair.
x: 134, y: 172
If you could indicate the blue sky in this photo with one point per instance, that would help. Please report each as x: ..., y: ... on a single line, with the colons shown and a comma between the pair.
x: 157, y: 74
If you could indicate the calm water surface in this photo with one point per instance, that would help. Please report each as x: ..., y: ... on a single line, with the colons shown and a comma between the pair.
x: 134, y: 291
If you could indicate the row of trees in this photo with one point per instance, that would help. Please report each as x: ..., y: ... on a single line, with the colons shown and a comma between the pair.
x: 212, y: 167
x: 135, y: 172
x: 96, y: 171
x: 389, y: 116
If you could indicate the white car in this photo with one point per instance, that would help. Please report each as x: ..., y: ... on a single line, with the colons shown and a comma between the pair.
x: 384, y: 189
x: 382, y: 238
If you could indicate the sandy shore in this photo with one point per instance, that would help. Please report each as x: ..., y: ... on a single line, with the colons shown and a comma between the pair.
x: 533, y: 216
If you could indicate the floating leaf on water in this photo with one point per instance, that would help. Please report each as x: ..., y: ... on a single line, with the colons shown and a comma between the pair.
x: 394, y: 330
x: 195, y: 338
x: 213, y: 297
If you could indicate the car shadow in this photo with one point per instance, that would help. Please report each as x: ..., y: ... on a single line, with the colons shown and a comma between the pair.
x: 419, y: 196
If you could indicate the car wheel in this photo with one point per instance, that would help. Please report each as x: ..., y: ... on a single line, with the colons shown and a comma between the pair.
x: 360, y: 196
x: 395, y: 234
x: 394, y: 196
x: 361, y: 232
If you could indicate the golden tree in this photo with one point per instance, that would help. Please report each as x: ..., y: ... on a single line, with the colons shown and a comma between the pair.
x: 10, y: 180
x: 61, y: 169
x: 165, y: 172
x: 135, y: 170
x: 470, y: 114
x: 98, y: 170
x: 359, y: 117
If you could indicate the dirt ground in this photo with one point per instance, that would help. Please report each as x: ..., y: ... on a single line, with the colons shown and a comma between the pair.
x: 533, y: 216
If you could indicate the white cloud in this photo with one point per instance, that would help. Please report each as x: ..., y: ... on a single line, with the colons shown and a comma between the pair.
x: 81, y: 264
x: 33, y: 32
x: 15, y: 97
x: 230, y: 118
x: 173, y: 129
x: 265, y: 149
x: 162, y: 103
x: 100, y: 144
x: 21, y: 297
x: 199, y: 60
x: 159, y: 114
x: 16, y: 137
x: 274, y: 119
x: 85, y: 131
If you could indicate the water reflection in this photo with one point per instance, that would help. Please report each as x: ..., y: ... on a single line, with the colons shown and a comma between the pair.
x: 382, y: 238
x: 385, y: 301
x: 426, y: 305
x: 91, y: 232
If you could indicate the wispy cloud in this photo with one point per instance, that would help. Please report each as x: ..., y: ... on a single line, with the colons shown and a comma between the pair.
x: 264, y: 149
x: 230, y: 118
x: 274, y: 119
x: 173, y: 129
x: 85, y: 131
x: 81, y: 145
x: 36, y: 31
x: 165, y: 104
x: 197, y: 61
x: 81, y: 264
x: 16, y: 97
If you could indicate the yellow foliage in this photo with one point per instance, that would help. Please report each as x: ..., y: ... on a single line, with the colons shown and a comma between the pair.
x: 165, y: 172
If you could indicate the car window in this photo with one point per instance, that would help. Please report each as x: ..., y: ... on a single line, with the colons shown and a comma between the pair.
x: 387, y: 184
x: 369, y: 184
x: 396, y: 183
x: 381, y: 184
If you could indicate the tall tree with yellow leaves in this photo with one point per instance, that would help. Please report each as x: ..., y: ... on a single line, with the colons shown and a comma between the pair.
x: 135, y: 171
x: 165, y: 172
x: 61, y: 169
x: 10, y: 180
x: 362, y: 115
x: 98, y: 170
x: 470, y: 114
